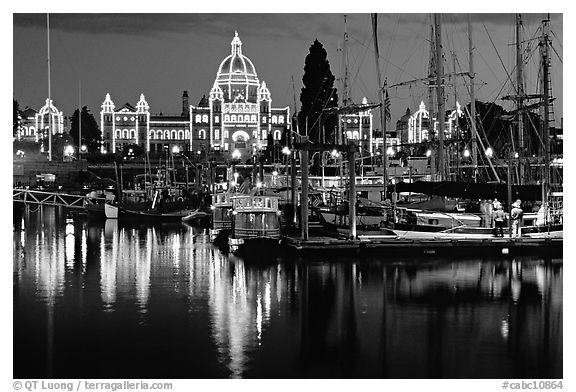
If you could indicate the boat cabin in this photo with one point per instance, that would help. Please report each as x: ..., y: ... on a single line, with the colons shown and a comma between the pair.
x: 255, y: 216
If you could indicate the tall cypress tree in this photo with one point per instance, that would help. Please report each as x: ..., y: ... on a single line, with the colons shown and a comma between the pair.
x: 90, y: 131
x: 317, y: 94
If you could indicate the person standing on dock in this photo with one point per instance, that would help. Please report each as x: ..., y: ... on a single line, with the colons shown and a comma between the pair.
x: 516, y: 216
x: 499, y: 220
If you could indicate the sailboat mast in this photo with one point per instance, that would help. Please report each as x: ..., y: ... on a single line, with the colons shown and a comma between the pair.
x: 546, y: 86
x: 381, y: 99
x: 519, y: 81
x: 440, y: 96
x: 79, y: 118
x: 472, y: 101
x: 49, y: 91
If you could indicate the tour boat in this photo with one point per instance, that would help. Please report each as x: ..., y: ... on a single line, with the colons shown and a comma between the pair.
x: 221, y: 216
x: 255, y: 224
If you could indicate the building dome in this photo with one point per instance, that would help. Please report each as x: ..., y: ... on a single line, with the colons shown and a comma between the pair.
x: 237, y: 75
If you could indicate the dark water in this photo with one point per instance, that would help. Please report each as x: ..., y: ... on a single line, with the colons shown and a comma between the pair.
x: 102, y: 300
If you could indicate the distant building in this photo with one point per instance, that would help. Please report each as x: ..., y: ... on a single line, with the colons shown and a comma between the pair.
x: 359, y: 127
x: 415, y: 127
x: 35, y: 124
x: 237, y: 115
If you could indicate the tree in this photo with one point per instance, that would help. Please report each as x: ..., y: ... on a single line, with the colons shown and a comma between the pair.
x: 269, y: 152
x: 91, y: 135
x: 317, y: 94
x: 17, y: 118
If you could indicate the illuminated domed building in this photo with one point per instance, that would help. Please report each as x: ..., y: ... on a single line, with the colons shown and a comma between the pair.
x: 35, y: 124
x: 237, y: 115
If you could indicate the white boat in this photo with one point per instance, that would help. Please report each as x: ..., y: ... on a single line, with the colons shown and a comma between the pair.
x: 111, y: 211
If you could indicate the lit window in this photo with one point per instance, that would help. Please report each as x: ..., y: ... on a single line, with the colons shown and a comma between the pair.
x: 226, y: 117
x: 167, y: 134
x: 216, y: 119
x: 198, y: 118
x: 277, y: 134
x: 174, y: 134
x: 263, y: 134
x: 263, y: 120
x: 233, y: 118
x: 216, y: 134
x: 152, y: 134
x: 205, y: 118
x: 355, y: 135
x: 255, y: 134
x: 159, y: 134
x: 349, y: 134
x: 281, y: 119
x: 125, y: 133
x: 187, y: 134
x: 226, y: 136
x: 180, y: 134
x: 253, y: 118
x: 132, y: 134
x: 202, y: 134
x: 274, y: 120
x: 118, y: 134
x: 117, y: 118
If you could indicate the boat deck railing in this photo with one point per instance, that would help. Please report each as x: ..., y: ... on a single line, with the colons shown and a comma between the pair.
x: 244, y: 233
x: 220, y: 199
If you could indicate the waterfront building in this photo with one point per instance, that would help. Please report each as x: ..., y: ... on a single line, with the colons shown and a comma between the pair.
x: 35, y: 124
x: 415, y: 127
x: 236, y: 117
x: 358, y: 126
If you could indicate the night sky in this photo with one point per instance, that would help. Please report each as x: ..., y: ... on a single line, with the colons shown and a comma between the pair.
x: 161, y: 55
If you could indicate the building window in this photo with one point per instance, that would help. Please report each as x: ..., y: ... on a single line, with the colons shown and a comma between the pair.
x: 202, y: 134
x: 216, y: 119
x: 227, y: 117
x: 167, y: 134
x: 205, y: 118
x: 253, y: 118
x: 125, y: 133
x: 216, y: 134
x: 280, y: 119
x: 174, y: 134
x: 132, y: 134
x: 187, y: 134
x: 349, y: 134
x: 255, y: 134
x: 159, y: 134
x: 355, y: 135
x: 264, y: 120
x: 233, y: 118
x: 118, y: 134
x: 274, y: 120
x: 225, y: 135
x: 198, y: 118
x: 151, y: 134
x: 277, y: 134
x: 180, y: 134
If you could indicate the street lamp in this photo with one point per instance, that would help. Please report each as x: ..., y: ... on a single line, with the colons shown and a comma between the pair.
x: 236, y: 154
x: 466, y: 153
x: 286, y: 150
x: 489, y: 152
x: 175, y: 150
x: 428, y: 153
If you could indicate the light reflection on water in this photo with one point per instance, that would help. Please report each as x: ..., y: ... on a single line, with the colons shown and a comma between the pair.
x: 160, y: 301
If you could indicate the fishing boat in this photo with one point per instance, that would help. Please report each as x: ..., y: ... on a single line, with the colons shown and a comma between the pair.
x: 255, y: 224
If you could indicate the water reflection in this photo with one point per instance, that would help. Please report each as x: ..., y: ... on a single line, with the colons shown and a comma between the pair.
x: 164, y: 292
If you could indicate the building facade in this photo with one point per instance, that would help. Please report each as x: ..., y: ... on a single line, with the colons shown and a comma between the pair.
x: 35, y: 125
x: 236, y: 118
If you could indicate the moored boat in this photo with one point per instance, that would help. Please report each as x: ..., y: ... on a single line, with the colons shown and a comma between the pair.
x: 256, y: 224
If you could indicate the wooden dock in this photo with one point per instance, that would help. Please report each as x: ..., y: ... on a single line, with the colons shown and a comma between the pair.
x: 424, y: 246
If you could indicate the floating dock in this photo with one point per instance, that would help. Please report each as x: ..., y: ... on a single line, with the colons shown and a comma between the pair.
x: 424, y: 246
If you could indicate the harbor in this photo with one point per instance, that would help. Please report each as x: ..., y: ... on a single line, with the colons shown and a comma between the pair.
x: 374, y: 220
